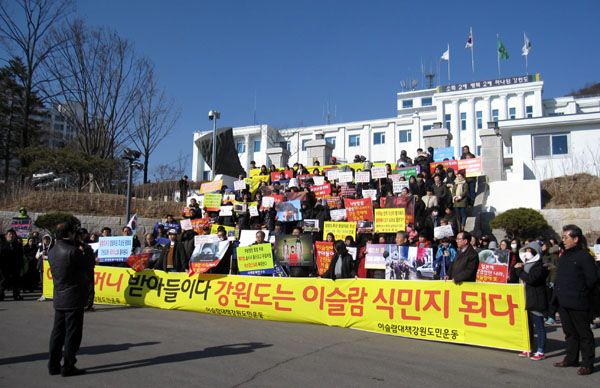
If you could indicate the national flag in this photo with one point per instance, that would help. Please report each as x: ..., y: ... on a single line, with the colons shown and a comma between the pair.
x: 446, y: 55
x: 502, y: 52
x: 132, y: 224
x: 526, y: 45
x: 469, y: 39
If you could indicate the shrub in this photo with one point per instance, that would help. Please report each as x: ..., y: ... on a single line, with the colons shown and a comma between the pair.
x: 49, y: 221
x: 521, y: 223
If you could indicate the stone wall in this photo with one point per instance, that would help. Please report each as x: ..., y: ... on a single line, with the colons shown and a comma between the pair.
x: 588, y: 219
x: 91, y: 223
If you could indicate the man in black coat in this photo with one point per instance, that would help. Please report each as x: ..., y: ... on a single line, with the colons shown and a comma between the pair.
x: 70, y: 269
x: 11, y: 263
x: 173, y: 257
x: 575, y: 278
x: 466, y: 263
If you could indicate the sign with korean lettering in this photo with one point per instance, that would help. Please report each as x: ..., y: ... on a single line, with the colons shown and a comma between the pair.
x: 322, y: 190
x: 482, y: 314
x: 492, y: 273
x: 255, y: 259
x: 439, y: 154
x: 208, y: 252
x: 489, y: 83
x: 472, y: 167
x: 390, y: 220
x: 337, y: 214
x: 212, y: 202
x: 114, y: 248
x: 345, y: 176
x: 406, y: 172
x: 239, y: 185
x: 210, y: 187
x: 22, y: 226
x: 323, y: 254
x: 359, y: 209
x: 372, y: 193
x: 397, y: 186
x: 340, y: 229
x: 362, y: 177
x: 379, y: 172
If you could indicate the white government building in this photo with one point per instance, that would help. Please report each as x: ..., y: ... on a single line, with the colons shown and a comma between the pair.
x: 542, y: 138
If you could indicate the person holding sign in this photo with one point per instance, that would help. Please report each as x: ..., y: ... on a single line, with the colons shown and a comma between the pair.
x: 172, y: 258
x: 342, y: 265
x: 466, y: 263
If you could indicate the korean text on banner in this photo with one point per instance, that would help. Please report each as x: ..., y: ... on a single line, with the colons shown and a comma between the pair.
x: 212, y: 202
x: 390, y: 220
x: 340, y: 229
x: 209, y: 187
x: 362, y: 177
x: 114, y: 248
x: 323, y: 254
x: 482, y: 314
x: 379, y: 172
x: 359, y: 209
x: 255, y: 259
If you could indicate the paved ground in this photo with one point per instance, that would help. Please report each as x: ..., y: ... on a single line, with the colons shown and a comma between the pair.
x: 139, y: 347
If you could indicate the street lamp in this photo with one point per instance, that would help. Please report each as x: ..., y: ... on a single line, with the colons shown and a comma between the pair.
x: 213, y: 115
x: 131, y: 157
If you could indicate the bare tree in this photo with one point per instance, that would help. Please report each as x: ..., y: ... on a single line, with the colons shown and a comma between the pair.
x: 154, y: 120
x: 25, y: 34
x: 172, y: 171
x: 97, y: 83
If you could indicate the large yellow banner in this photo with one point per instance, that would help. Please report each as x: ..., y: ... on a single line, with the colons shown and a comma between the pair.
x: 483, y: 314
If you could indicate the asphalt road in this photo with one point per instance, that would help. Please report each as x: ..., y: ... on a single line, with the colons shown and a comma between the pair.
x: 144, y: 347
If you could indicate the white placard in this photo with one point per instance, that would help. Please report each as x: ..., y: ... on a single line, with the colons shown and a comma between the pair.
x: 239, y: 185
x: 362, y: 177
x: 332, y: 174
x: 379, y: 172
x: 186, y: 224
x: 399, y: 185
x: 440, y: 232
x: 310, y: 225
x: 253, y: 211
x: 345, y: 177
x: 370, y: 194
x: 318, y: 180
x: 338, y: 214
x: 352, y: 251
x: 268, y: 202
x: 395, y: 177
x: 226, y: 211
x: 203, y: 239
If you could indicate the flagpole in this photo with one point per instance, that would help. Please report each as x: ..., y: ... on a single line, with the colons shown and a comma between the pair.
x: 527, y: 55
x: 526, y: 69
x: 472, y: 48
x: 449, y: 62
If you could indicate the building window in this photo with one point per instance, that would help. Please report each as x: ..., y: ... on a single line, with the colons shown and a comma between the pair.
x: 529, y: 111
x: 463, y: 121
x: 427, y: 127
x: 256, y: 145
x: 426, y: 101
x: 379, y: 138
x: 304, y: 141
x: 288, y: 146
x: 240, y: 146
x: 206, y: 176
x: 407, y: 104
x: 479, y: 115
x: 330, y: 140
x: 353, y: 140
x: 405, y: 136
x: 447, y: 120
x: 478, y: 150
x: 550, y: 145
x: 512, y: 113
x: 495, y: 115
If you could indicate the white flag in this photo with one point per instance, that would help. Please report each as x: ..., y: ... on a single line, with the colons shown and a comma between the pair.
x: 132, y: 224
x: 446, y: 55
x: 526, y: 45
x: 469, y: 39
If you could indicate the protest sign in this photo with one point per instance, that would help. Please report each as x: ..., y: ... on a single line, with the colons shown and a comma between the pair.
x: 364, y: 226
x: 199, y: 224
x: 255, y: 259
x: 203, y: 239
x: 323, y: 254
x: 294, y: 250
x: 310, y: 225
x: 418, y: 257
x: 289, y: 211
x: 207, y: 255
x: 318, y: 180
x: 229, y: 229
x: 321, y: 190
x: 359, y: 209
x: 112, y: 249
x: 406, y: 172
x: 370, y: 194
x: 210, y: 187
x: 253, y: 210
x: 362, y: 177
x: 439, y: 232
x: 248, y: 236
x: 338, y: 214
x: 240, y: 207
x: 340, y: 229
x: 492, y: 268
x: 472, y: 167
x: 186, y: 224
x: 397, y: 186
x: 334, y: 202
x: 445, y: 165
x: 597, y: 251
x: 226, y: 211
x: 389, y: 220
x: 482, y: 314
x: 375, y: 256
x: 379, y: 172
x: 239, y: 185
x: 439, y: 154
x: 345, y: 176
x: 332, y: 174
x: 267, y: 202
x: 279, y: 176
x: 212, y: 202
x: 394, y: 177
x: 22, y: 226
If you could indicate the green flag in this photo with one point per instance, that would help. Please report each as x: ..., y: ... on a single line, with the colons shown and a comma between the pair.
x: 502, y: 53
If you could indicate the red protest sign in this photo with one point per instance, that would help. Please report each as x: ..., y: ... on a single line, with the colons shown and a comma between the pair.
x: 359, y: 209
x: 281, y: 175
x: 323, y: 255
x: 445, y: 164
x: 492, y: 273
x: 321, y: 190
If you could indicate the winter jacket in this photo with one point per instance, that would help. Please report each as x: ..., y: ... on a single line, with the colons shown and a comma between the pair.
x: 576, y: 277
x: 535, y: 286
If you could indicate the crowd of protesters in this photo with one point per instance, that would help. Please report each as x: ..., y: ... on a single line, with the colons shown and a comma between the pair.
x: 431, y: 199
